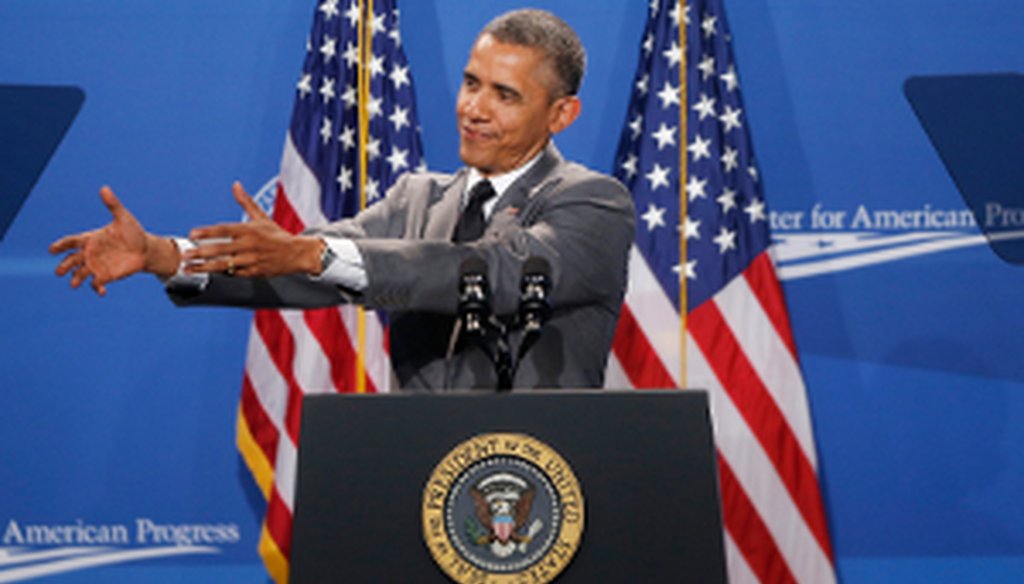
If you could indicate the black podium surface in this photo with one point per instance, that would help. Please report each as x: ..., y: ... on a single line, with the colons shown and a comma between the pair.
x: 644, y: 461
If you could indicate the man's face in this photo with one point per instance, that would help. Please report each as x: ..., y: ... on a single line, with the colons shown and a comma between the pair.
x: 505, y: 109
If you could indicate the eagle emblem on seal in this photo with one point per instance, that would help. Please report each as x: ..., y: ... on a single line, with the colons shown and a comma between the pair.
x: 502, y: 504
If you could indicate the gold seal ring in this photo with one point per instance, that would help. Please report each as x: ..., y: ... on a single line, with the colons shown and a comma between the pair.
x: 231, y: 266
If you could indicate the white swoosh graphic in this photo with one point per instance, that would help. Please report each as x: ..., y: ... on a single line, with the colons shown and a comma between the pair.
x: 88, y: 559
x: 800, y: 246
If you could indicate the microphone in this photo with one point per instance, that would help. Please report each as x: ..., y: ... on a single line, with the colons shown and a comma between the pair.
x: 534, y: 307
x: 474, y: 304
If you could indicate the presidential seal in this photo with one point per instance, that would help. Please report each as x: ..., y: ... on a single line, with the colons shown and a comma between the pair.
x: 502, y: 508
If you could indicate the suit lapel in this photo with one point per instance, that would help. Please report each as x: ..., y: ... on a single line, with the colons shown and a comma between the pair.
x: 519, y: 192
x: 444, y: 214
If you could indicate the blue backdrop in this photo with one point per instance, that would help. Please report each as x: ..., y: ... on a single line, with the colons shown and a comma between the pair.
x: 117, y: 414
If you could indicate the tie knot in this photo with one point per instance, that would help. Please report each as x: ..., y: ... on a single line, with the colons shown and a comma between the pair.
x: 481, y: 193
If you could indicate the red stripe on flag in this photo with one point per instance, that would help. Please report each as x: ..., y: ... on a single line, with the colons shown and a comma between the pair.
x: 749, y: 531
x: 636, y: 355
x: 760, y: 275
x: 281, y: 348
x: 278, y: 522
x: 762, y: 414
x: 261, y: 427
x: 284, y: 213
x: 332, y: 335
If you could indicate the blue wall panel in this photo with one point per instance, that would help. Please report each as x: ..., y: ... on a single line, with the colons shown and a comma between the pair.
x: 119, y: 411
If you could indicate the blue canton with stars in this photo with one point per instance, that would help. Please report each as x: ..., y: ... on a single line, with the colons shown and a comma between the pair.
x: 726, y: 224
x: 325, y: 119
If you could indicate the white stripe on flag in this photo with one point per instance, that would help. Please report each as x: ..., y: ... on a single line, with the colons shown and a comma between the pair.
x: 770, y: 357
x: 758, y: 478
x: 654, y: 313
x: 297, y: 178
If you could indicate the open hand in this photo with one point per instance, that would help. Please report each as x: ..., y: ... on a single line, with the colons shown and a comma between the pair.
x: 115, y: 251
x: 258, y: 247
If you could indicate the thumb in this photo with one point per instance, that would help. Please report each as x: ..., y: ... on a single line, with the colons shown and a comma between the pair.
x: 246, y: 202
x: 112, y: 203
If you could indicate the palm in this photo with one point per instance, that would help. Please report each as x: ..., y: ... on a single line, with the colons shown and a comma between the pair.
x: 117, y: 250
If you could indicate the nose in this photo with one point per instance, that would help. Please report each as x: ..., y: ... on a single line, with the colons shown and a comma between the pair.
x: 473, y: 105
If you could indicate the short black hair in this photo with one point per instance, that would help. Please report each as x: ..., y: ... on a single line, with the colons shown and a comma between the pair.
x: 540, y: 29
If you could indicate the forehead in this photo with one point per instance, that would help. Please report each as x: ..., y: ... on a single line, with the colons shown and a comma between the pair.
x: 507, y: 63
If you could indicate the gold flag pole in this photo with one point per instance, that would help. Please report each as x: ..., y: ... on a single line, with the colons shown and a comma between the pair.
x: 683, y: 179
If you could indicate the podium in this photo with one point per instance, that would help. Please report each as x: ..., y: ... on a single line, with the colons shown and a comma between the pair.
x: 631, y: 482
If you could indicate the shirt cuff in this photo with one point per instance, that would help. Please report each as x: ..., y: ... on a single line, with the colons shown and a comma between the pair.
x: 182, y: 279
x: 347, y: 269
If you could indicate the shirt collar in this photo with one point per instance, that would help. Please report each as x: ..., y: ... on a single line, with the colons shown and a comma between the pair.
x: 500, y: 182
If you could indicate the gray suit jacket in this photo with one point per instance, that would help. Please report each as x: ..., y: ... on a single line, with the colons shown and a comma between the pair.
x: 580, y: 221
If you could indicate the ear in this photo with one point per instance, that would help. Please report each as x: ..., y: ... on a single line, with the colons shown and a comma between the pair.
x: 563, y: 113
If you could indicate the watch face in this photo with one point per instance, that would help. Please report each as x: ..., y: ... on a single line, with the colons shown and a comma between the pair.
x: 326, y: 257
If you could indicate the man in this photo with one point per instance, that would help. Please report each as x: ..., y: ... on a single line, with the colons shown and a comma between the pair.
x: 404, y: 254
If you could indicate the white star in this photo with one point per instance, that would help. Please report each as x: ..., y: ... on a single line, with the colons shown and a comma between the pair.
x: 705, y: 107
x: 707, y: 67
x: 752, y: 171
x: 727, y: 199
x: 395, y: 34
x: 673, y: 54
x: 654, y: 7
x: 699, y: 148
x: 695, y: 188
x: 665, y: 136
x: 351, y: 55
x: 329, y: 49
x: 329, y: 8
x: 372, y: 190
x: 630, y: 165
x: 691, y: 228
x: 725, y: 240
x: 668, y: 95
x: 655, y: 216
x: 325, y: 130
x: 708, y: 25
x: 648, y: 44
x: 730, y: 118
x: 674, y: 15
x: 731, y: 79
x: 345, y: 178
x: 690, y: 271
x: 398, y: 160
x: 399, y: 117
x: 756, y: 211
x: 305, y: 85
x: 658, y: 176
x: 377, y: 23
x: 376, y: 65
x: 641, y: 85
x: 352, y: 14
x: 327, y: 89
x: 373, y: 149
x: 349, y: 97
x: 374, y: 107
x: 729, y: 159
x: 399, y: 76
x: 636, y: 126
x: 347, y: 138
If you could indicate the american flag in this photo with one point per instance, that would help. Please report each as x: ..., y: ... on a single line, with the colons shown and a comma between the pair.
x: 353, y: 132
x: 703, y: 244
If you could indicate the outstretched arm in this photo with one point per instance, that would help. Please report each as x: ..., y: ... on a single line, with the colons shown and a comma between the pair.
x: 115, y: 251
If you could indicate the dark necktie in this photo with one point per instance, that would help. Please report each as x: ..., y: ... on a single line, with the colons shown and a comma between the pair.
x: 471, y: 223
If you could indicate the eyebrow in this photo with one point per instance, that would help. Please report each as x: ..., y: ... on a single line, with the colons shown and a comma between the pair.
x: 500, y: 87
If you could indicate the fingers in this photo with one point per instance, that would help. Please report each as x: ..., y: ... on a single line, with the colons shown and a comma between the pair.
x: 69, y: 263
x: 67, y: 243
x: 112, y: 203
x: 246, y: 202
